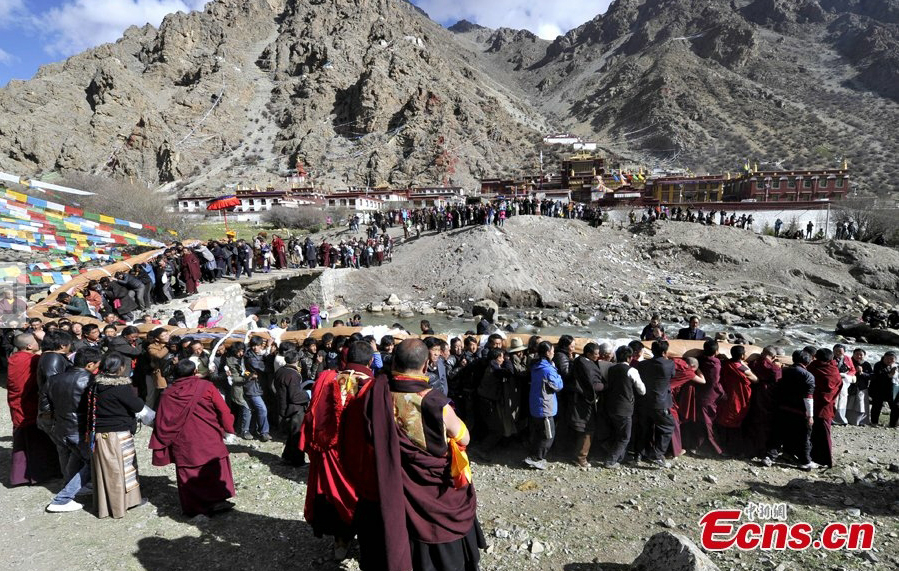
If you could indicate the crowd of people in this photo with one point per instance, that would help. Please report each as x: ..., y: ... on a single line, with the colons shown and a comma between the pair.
x: 78, y: 398
x: 844, y: 230
x: 363, y: 411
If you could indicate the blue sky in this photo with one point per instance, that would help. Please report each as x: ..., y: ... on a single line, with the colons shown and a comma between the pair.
x: 36, y: 32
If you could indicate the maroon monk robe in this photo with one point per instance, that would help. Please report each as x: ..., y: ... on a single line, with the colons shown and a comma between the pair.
x: 760, y: 419
x: 34, y: 457
x: 326, y: 254
x: 827, y: 387
x: 681, y: 390
x: 414, y: 486
x: 735, y: 406
x: 701, y: 431
x: 327, y: 487
x: 191, y: 422
x: 190, y: 269
x: 280, y: 258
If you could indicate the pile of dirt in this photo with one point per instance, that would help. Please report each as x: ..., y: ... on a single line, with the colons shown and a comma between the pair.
x: 676, y: 268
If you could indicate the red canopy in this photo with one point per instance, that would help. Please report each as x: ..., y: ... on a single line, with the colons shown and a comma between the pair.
x: 223, y: 203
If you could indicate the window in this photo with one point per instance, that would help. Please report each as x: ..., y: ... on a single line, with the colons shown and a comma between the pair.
x: 775, y: 184
x: 262, y: 201
x: 807, y: 183
x: 185, y: 204
x: 822, y: 183
x: 252, y: 202
x: 791, y: 183
x: 840, y: 182
x: 196, y: 203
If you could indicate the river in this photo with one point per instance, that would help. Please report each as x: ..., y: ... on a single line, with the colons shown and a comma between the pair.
x: 793, y: 337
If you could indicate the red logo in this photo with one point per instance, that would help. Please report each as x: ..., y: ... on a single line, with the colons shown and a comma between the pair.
x: 722, y: 529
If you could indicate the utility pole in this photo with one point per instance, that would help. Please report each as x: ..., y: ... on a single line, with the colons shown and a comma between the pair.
x: 827, y: 222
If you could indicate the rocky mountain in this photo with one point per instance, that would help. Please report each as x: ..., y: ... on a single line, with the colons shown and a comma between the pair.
x: 709, y: 85
x: 362, y: 92
x: 372, y: 91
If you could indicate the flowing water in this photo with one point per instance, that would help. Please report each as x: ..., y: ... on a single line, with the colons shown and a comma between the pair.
x: 789, y: 338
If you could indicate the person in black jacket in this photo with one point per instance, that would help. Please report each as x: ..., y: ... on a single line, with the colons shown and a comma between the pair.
x: 134, y: 286
x: 884, y: 388
x: 244, y: 259
x: 437, y: 365
x: 693, y: 332
x: 64, y: 392
x: 858, y: 409
x: 586, y: 383
x: 254, y: 360
x: 292, y: 403
x: 54, y: 348
x: 116, y: 292
x: 111, y: 419
x: 127, y: 343
x: 655, y: 424
x: 622, y: 385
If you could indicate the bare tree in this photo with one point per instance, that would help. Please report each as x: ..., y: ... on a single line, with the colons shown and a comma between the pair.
x: 310, y: 218
x: 871, y: 221
x: 127, y: 201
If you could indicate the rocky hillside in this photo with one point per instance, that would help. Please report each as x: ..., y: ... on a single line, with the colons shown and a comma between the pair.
x: 709, y: 85
x: 372, y: 91
x: 363, y: 92
x: 681, y: 268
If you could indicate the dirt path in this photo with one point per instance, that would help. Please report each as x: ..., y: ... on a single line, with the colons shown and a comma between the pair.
x: 583, y: 520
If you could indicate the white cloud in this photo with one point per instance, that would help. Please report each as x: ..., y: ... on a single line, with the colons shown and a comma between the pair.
x: 6, y: 58
x: 546, y: 19
x: 80, y: 24
x: 10, y: 10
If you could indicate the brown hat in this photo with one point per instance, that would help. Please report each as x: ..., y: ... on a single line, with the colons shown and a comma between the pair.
x: 516, y: 345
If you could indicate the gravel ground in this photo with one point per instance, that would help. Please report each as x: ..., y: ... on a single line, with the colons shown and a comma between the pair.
x: 564, y: 518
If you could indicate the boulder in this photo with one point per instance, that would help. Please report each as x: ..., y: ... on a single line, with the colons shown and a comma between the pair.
x: 486, y: 307
x: 393, y: 300
x: 667, y: 551
x: 852, y: 327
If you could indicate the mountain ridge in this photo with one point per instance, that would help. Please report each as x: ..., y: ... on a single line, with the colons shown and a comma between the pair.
x: 371, y: 91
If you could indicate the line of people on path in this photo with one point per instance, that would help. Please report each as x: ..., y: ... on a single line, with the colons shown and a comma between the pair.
x: 624, y: 405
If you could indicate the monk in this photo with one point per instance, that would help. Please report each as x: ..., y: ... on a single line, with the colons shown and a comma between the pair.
x: 190, y: 269
x: 699, y: 432
x: 736, y: 380
x: 34, y: 458
x: 330, y: 495
x: 683, y: 390
x: 413, y: 431
x: 760, y: 420
x: 828, y: 385
x: 191, y: 422
x: 278, y: 250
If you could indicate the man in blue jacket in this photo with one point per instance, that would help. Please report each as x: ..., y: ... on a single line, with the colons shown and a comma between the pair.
x: 545, y: 383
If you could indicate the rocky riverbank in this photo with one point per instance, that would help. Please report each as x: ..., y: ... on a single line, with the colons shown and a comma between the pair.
x: 623, y: 275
